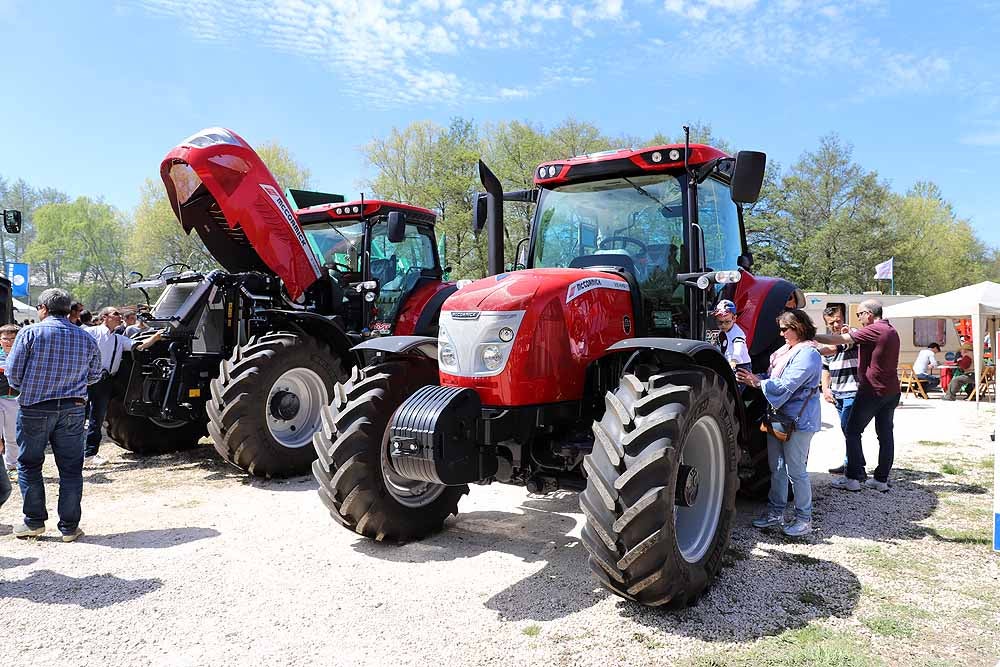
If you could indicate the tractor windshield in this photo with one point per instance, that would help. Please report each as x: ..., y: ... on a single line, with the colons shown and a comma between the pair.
x: 635, y: 222
x: 337, y: 246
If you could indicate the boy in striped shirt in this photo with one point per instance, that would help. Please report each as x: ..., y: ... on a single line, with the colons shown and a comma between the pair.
x: 840, y: 374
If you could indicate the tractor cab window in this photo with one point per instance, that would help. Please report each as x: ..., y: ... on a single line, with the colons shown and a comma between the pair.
x: 720, y: 221
x: 398, y: 266
x: 635, y: 222
x: 337, y: 247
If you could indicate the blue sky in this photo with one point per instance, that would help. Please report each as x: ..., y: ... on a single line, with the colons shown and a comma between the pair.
x: 92, y: 95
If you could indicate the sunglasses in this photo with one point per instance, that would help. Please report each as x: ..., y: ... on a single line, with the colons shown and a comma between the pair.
x: 864, y: 312
x: 115, y: 314
x: 39, y: 307
x: 783, y: 329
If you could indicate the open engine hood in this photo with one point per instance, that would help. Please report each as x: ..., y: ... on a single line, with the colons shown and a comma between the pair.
x: 220, y: 188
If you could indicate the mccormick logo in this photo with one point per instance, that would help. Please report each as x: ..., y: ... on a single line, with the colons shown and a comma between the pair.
x: 286, y: 213
x: 581, y: 287
x: 465, y: 315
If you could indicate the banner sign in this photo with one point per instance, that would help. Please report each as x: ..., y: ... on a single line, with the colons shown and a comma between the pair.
x: 883, y: 271
x: 17, y: 273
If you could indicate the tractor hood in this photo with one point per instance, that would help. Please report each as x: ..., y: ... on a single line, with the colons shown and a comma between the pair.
x: 514, y: 291
x: 219, y: 187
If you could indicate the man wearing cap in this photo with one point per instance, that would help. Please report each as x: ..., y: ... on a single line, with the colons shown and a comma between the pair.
x: 732, y: 339
x: 966, y: 377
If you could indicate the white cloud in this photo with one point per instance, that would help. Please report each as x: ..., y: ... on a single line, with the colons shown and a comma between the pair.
x: 463, y: 19
x: 700, y: 10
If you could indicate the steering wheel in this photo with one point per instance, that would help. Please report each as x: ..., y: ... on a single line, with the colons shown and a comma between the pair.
x: 609, y: 242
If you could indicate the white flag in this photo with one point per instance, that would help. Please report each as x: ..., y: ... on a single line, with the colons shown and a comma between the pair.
x: 883, y: 271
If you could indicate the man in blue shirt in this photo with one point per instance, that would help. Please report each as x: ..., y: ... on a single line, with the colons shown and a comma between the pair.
x: 51, y: 364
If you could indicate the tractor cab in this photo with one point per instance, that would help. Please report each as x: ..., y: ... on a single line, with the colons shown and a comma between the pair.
x: 634, y: 210
x: 384, y: 249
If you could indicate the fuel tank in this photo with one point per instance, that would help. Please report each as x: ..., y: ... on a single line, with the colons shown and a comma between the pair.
x: 527, y: 337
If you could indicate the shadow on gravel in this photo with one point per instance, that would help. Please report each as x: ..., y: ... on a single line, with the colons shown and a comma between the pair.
x: 202, y: 457
x: 6, y: 562
x: 159, y: 538
x: 300, y: 483
x: 563, y: 586
x: 93, y: 592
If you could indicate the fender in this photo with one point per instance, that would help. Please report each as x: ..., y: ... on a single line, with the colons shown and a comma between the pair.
x: 431, y: 310
x: 423, y: 346
x: 700, y: 353
x: 317, y: 326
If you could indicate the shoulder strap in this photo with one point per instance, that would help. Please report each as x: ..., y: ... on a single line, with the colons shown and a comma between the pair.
x: 114, y: 353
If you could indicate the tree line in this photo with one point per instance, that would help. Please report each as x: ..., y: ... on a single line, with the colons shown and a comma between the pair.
x: 824, y: 222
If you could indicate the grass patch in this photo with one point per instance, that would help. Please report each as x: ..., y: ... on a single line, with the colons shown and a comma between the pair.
x: 985, y: 463
x: 889, y: 626
x: 531, y: 630
x: 981, y: 536
x: 806, y: 647
x: 952, y: 469
x: 643, y: 639
x: 933, y: 443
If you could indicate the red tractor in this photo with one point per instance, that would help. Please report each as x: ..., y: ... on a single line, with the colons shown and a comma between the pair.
x: 254, y: 352
x: 590, y: 370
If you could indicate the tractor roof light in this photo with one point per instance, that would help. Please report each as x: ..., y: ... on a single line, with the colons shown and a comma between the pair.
x: 727, y: 277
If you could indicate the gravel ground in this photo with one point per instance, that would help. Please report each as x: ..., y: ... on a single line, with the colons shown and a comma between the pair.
x: 187, y: 562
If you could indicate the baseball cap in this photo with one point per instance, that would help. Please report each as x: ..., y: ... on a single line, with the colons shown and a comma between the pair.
x: 725, y: 306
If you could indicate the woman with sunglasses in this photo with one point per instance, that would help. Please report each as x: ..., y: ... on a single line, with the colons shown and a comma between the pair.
x: 791, y: 387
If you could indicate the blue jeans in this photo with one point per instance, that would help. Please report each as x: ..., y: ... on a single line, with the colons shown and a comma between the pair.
x: 60, y: 427
x: 98, y: 397
x: 932, y: 381
x: 788, y: 463
x: 5, y: 487
x: 881, y: 409
x: 844, y: 402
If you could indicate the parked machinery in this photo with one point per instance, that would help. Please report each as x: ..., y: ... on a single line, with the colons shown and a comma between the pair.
x: 252, y: 353
x: 591, y: 370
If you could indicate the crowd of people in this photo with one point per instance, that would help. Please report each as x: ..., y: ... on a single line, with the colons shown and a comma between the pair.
x: 853, y: 369
x: 55, y: 385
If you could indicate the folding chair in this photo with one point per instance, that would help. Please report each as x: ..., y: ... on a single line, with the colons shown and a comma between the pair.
x: 909, y: 382
x: 987, y: 383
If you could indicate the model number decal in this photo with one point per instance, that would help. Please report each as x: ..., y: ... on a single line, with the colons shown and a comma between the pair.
x: 286, y: 213
x: 581, y: 287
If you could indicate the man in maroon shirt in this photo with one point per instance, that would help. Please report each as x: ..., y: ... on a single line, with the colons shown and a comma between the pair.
x: 877, y: 397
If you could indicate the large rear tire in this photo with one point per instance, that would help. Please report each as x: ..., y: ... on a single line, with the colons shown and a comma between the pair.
x: 356, y: 482
x: 145, y: 437
x: 266, y: 403
x: 655, y: 531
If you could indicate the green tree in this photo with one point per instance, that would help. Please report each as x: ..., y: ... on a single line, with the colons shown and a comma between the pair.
x: 82, y: 245
x: 284, y: 167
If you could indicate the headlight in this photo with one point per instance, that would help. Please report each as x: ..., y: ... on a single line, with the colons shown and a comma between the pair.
x: 492, y: 357
x: 446, y: 355
x: 506, y: 334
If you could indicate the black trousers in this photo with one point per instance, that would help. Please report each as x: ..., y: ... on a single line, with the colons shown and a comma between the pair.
x: 98, y: 397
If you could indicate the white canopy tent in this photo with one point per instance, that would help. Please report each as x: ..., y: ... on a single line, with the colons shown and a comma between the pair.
x: 23, y: 311
x: 979, y: 302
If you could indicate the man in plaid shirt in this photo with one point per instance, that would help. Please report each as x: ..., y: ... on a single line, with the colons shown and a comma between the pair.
x: 51, y: 364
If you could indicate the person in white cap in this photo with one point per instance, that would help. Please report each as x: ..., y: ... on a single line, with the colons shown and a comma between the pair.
x: 732, y: 339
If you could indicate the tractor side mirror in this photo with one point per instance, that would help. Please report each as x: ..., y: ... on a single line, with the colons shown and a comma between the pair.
x: 12, y: 221
x: 397, y: 227
x: 745, y: 261
x: 478, y: 212
x: 748, y: 176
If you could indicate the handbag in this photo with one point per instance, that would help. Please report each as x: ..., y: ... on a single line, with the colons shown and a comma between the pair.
x: 779, y: 426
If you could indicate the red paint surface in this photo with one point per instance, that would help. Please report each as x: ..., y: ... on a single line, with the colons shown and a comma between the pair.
x: 556, y: 341
x: 413, y: 307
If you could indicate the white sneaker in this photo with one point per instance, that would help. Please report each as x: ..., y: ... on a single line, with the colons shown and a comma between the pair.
x: 93, y: 461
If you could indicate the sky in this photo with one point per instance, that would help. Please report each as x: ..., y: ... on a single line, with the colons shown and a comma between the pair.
x: 94, y: 94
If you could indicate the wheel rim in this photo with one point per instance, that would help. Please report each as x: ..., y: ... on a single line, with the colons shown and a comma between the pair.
x: 306, y: 390
x: 696, y: 526
x: 407, y: 492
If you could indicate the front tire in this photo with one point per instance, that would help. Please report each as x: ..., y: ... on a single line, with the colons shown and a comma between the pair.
x: 645, y: 543
x: 266, y: 403
x: 356, y: 482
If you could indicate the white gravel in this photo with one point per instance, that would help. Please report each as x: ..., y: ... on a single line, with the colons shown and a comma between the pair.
x: 186, y: 562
